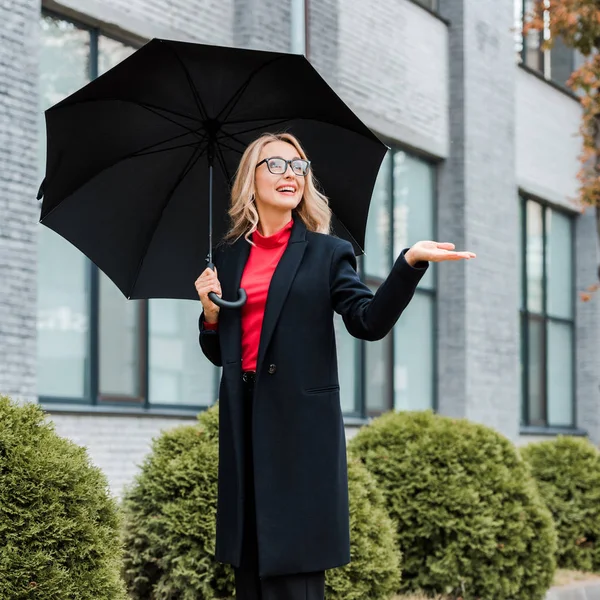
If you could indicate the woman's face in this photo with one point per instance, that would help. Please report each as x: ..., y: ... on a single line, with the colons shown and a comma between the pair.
x: 278, y: 192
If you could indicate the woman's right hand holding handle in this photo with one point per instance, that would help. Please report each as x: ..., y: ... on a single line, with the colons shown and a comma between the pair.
x: 209, y: 282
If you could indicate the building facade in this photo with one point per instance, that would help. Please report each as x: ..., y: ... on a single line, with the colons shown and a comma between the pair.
x: 483, y: 138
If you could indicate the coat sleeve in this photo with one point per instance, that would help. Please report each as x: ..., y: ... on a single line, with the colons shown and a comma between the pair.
x: 366, y: 315
x: 210, y: 343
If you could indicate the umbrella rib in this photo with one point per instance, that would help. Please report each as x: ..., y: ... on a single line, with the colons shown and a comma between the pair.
x: 193, y: 159
x: 142, y: 151
x: 154, y: 112
x: 118, y: 160
x: 221, y: 159
x: 124, y: 100
x: 279, y: 122
x: 222, y: 143
x: 235, y: 98
x: 199, y: 103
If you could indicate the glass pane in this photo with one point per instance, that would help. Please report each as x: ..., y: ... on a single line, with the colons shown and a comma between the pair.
x: 413, y: 355
x: 119, y: 318
x: 378, y: 382
x: 377, y: 240
x: 534, y: 57
x: 111, y: 53
x: 537, y: 411
x: 119, y: 342
x: 559, y: 267
x: 414, y: 192
x: 521, y: 242
x: 346, y: 351
x: 180, y: 374
x: 562, y: 62
x: 535, y: 258
x: 560, y: 374
x: 63, y: 291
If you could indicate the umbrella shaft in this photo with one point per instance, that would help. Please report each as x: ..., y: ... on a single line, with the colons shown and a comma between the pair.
x: 210, y: 200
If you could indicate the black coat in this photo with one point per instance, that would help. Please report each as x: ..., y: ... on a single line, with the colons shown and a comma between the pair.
x: 300, y: 467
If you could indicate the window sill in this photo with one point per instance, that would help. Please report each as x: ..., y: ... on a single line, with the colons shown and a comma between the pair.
x: 120, y: 411
x: 356, y: 421
x: 552, y: 431
x: 155, y: 412
x: 557, y: 86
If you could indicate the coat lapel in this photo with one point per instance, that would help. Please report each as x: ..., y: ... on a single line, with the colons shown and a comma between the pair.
x: 280, y: 284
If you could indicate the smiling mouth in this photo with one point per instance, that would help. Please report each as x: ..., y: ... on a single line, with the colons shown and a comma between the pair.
x: 286, y: 190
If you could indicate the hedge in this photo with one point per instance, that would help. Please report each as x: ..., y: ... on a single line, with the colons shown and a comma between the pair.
x: 470, y: 521
x: 567, y: 471
x: 59, y: 526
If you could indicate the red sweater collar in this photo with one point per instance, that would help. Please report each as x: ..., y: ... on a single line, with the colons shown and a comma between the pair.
x: 280, y: 238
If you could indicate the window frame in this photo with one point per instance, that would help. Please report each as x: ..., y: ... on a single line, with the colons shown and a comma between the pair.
x: 94, y: 397
x: 375, y: 281
x: 525, y: 316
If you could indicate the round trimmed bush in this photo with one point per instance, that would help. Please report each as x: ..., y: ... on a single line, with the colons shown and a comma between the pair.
x: 170, y: 530
x: 374, y: 570
x: 469, y: 519
x: 567, y: 471
x: 170, y: 514
x: 59, y: 526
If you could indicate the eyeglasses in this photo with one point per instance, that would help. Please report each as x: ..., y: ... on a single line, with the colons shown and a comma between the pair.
x: 278, y: 165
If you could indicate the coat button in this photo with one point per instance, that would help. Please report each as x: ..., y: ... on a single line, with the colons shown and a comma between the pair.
x: 272, y: 369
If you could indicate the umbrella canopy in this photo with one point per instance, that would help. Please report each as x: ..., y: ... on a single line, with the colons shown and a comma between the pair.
x: 128, y: 178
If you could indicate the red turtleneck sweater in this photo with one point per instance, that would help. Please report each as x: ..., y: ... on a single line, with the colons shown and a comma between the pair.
x: 258, y: 272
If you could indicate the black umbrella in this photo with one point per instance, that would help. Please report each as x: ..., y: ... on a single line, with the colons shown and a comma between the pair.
x: 129, y: 170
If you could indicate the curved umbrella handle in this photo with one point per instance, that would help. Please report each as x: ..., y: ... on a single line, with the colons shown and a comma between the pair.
x: 242, y: 297
x: 226, y: 303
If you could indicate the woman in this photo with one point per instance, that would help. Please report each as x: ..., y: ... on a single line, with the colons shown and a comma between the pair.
x: 282, y: 514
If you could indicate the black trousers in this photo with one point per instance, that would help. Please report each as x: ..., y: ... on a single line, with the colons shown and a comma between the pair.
x: 248, y: 585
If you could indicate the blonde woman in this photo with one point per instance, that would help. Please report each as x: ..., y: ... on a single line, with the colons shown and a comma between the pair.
x: 282, y: 516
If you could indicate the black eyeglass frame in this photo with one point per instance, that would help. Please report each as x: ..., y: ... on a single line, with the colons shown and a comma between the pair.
x: 287, y: 162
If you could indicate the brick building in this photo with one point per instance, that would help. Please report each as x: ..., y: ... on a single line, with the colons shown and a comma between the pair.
x: 484, y: 146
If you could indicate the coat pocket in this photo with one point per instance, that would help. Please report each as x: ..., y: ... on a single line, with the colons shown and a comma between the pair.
x: 322, y: 390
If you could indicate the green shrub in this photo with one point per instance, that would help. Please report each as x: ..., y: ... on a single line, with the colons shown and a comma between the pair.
x: 470, y: 521
x: 374, y: 570
x: 567, y: 471
x: 170, y: 514
x: 59, y: 527
x: 170, y: 526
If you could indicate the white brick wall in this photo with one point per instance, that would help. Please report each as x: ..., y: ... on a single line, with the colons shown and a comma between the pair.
x: 548, y: 141
x: 18, y: 187
x: 478, y: 210
x: 116, y: 444
x: 393, y: 70
x: 206, y: 21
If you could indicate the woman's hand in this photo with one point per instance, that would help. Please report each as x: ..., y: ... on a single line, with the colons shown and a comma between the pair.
x: 434, y: 252
x: 209, y: 282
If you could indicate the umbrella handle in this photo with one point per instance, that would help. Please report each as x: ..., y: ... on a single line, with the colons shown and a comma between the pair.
x: 242, y: 297
x: 226, y: 303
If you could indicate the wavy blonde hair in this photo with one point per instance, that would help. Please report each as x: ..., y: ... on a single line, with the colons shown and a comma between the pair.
x: 313, y: 208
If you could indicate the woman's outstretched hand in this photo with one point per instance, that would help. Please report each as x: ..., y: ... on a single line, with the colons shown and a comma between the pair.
x: 434, y: 252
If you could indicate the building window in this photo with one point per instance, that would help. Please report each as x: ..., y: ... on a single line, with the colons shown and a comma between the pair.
x: 94, y: 345
x: 547, y: 317
x: 555, y: 64
x: 397, y: 372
